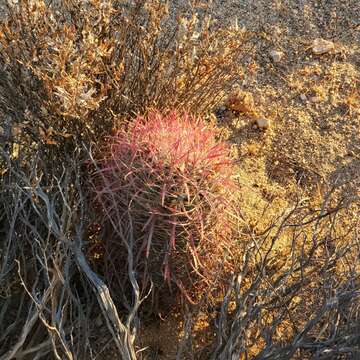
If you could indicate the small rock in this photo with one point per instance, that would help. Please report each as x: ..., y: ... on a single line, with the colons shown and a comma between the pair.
x: 263, y: 123
x: 321, y: 46
x: 303, y: 97
x: 276, y: 56
x: 2, y: 131
x: 241, y: 101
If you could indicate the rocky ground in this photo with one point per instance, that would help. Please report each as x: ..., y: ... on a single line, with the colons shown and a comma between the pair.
x: 303, y: 78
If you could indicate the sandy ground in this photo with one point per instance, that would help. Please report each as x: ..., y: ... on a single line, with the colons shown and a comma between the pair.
x: 312, y: 100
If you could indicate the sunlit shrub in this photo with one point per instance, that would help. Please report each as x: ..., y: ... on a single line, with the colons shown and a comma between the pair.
x: 73, y: 67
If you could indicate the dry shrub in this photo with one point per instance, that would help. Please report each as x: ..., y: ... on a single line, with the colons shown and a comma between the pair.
x: 72, y: 67
x: 171, y: 178
x: 297, y: 294
x: 48, y: 291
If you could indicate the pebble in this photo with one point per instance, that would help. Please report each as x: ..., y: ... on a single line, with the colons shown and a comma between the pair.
x: 303, y: 97
x: 276, y: 55
x: 263, y: 123
x: 321, y: 46
x: 241, y: 101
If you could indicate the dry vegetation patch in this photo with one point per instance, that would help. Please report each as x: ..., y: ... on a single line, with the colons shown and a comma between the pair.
x: 71, y: 72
